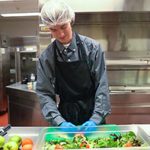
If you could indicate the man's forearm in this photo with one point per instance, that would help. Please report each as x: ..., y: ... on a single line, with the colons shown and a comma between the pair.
x: 49, y: 109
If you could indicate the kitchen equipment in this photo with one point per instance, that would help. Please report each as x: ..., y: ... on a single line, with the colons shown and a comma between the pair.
x: 22, y: 58
x: 101, y: 131
x: 4, y: 130
x: 4, y: 72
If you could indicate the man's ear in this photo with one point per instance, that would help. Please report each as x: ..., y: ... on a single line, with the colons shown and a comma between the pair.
x: 72, y: 22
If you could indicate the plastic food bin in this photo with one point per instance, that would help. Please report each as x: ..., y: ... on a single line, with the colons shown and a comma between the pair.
x: 50, y: 133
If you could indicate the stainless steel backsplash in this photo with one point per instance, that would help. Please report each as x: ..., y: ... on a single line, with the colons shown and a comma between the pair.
x: 116, y: 31
x: 124, y: 36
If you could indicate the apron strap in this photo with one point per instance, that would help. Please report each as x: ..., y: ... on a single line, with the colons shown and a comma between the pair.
x: 82, y: 53
x: 56, y: 49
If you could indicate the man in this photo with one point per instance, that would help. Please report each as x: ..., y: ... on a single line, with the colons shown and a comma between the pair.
x: 73, y: 67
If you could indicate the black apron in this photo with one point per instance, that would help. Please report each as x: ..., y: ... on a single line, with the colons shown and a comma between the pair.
x: 75, y: 87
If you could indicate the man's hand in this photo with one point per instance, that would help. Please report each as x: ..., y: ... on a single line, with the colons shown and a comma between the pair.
x: 68, y: 127
x: 88, y: 126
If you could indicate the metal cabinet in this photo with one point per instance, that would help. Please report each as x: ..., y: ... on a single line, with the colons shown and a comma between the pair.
x: 24, y: 108
x: 130, y: 108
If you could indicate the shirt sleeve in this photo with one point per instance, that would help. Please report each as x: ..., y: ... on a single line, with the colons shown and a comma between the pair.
x: 46, y: 92
x: 102, y: 100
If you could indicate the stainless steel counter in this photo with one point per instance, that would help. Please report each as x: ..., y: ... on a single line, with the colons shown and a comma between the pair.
x: 33, y: 132
x: 19, y: 87
x: 130, y: 108
x: 24, y: 108
x: 146, y: 128
x: 127, y: 107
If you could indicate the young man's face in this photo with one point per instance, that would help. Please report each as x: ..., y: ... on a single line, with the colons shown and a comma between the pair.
x: 63, y: 32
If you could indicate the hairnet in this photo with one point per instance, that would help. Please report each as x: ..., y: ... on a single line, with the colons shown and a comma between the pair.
x: 56, y: 12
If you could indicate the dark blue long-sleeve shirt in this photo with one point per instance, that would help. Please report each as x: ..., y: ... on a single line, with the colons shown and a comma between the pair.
x: 46, y: 78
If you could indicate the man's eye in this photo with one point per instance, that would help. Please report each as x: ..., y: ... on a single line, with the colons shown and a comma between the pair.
x: 53, y: 30
x: 64, y: 27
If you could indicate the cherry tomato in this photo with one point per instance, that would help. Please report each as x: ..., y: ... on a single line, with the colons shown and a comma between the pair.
x: 27, y: 147
x: 26, y: 141
x: 58, y: 147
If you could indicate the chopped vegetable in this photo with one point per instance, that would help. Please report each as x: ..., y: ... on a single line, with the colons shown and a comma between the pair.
x: 80, y: 141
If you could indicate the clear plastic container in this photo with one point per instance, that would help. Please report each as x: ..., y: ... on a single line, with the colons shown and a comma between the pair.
x: 49, y: 134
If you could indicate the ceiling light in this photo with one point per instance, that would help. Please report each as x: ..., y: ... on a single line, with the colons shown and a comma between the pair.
x: 21, y: 14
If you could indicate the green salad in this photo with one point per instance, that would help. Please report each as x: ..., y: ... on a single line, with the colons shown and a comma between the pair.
x: 81, y: 141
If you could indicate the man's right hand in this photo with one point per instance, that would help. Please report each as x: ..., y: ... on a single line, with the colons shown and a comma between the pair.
x: 68, y: 127
x: 88, y: 126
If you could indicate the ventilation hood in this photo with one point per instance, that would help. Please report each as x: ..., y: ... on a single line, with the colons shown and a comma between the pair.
x: 18, y: 6
x: 106, y: 5
x: 109, y: 5
x: 26, y: 6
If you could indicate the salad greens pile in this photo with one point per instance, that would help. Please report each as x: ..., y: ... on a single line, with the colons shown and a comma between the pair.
x: 81, y: 141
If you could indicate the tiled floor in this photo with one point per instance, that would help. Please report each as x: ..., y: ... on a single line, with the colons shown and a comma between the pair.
x: 4, y: 119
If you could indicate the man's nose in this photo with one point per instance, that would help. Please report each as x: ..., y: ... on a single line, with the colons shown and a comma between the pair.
x: 61, y: 34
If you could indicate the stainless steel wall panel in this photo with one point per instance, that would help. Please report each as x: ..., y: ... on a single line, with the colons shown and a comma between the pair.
x: 129, y: 119
x: 24, y: 108
x: 1, y: 95
x: 117, y: 32
x: 1, y: 72
x: 112, y: 18
x: 4, y: 77
x: 6, y: 66
x: 23, y: 41
x: 0, y: 66
x: 127, y: 77
x: 129, y: 108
